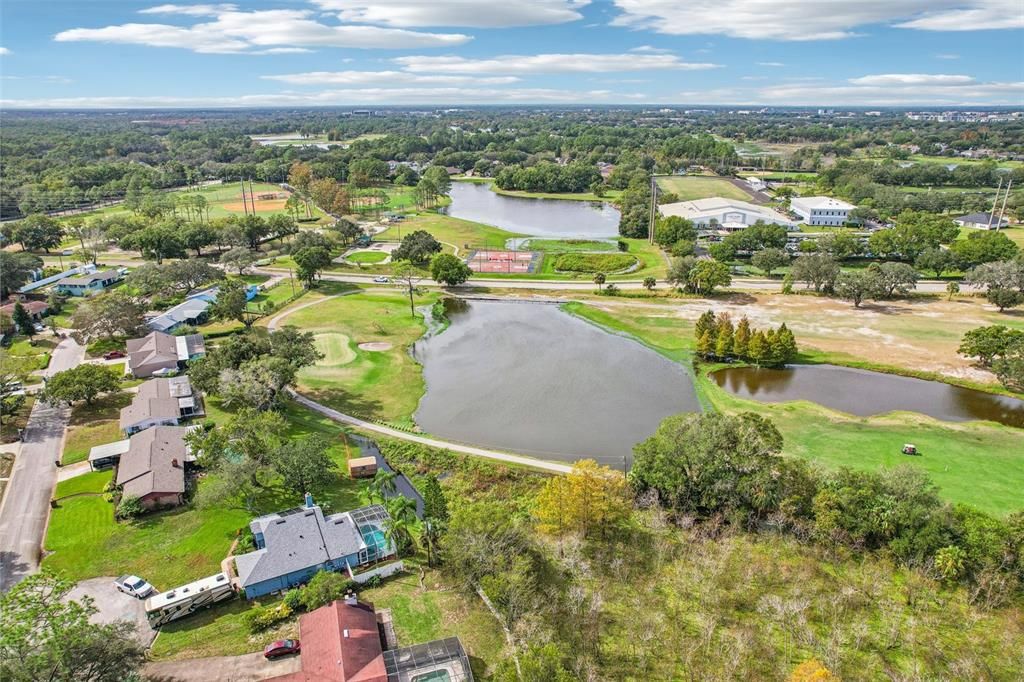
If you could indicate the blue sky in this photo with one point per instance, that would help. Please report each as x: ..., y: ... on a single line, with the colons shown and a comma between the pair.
x: 123, y: 53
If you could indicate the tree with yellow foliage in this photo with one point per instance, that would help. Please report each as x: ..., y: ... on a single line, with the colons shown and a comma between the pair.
x: 811, y: 671
x: 589, y: 498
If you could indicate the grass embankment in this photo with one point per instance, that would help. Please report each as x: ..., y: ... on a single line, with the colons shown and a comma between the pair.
x: 979, y: 463
x: 368, y: 257
x: 568, y: 245
x: 384, y: 385
x: 690, y: 187
x: 465, y: 235
x: 93, y: 425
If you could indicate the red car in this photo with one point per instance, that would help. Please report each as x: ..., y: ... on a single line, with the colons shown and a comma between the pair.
x: 282, y: 647
x: 113, y: 355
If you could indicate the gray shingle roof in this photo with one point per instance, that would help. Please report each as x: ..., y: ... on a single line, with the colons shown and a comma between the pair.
x: 156, y: 399
x: 297, y: 539
x: 148, y: 465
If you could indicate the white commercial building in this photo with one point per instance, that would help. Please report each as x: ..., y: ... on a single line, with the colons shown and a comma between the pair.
x: 721, y: 213
x: 822, y: 210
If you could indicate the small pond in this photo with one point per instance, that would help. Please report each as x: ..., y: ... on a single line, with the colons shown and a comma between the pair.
x: 865, y: 393
x: 530, y: 378
x: 555, y: 218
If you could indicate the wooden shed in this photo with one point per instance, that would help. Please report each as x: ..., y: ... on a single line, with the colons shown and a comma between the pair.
x: 362, y: 467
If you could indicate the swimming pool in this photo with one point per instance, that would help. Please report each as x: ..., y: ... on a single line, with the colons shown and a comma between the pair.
x: 375, y: 539
x: 433, y: 676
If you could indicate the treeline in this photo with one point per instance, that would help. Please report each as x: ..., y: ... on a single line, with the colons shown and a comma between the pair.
x: 549, y: 177
x: 985, y: 174
x: 716, y: 338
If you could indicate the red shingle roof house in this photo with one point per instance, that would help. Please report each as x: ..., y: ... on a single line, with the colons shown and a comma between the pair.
x: 344, y: 642
x: 340, y: 643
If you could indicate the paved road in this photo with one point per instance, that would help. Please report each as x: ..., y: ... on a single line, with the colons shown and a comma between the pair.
x: 26, y: 505
x: 342, y: 418
x: 744, y: 284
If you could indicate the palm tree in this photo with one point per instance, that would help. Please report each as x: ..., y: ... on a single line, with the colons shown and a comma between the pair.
x: 398, y: 529
x: 382, y: 485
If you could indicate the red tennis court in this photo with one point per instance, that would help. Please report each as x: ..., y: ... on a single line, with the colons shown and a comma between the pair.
x: 502, y: 261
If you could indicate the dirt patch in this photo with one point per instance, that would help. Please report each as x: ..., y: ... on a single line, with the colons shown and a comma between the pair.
x: 268, y: 206
x: 376, y: 346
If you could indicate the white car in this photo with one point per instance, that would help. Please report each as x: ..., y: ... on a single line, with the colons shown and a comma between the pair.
x: 134, y: 585
x: 381, y: 280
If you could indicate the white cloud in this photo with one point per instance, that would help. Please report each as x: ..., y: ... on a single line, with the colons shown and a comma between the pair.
x: 912, y: 79
x: 469, y: 13
x: 190, y: 10
x: 379, y: 96
x: 388, y: 77
x: 772, y: 64
x: 971, y: 16
x: 4, y: 51
x: 947, y: 55
x: 650, y: 49
x: 823, y: 20
x: 232, y: 31
x: 898, y: 90
x: 550, y: 63
x: 56, y: 80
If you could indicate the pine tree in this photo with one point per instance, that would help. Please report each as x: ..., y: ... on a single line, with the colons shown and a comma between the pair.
x: 705, y: 323
x: 706, y: 345
x: 773, y: 353
x: 757, y: 348
x: 23, y: 320
x: 435, y: 505
x: 787, y: 343
x: 724, y: 342
x: 741, y: 339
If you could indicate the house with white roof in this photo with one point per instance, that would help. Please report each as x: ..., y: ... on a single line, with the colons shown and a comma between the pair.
x: 727, y: 214
x: 822, y: 210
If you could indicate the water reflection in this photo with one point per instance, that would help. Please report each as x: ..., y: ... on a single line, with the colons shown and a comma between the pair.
x: 556, y: 218
x: 865, y: 393
x: 530, y: 378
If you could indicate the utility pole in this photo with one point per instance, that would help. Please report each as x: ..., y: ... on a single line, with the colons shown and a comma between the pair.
x: 252, y: 197
x: 245, y: 206
x: 654, y: 208
x: 994, y: 202
x: 1002, y: 209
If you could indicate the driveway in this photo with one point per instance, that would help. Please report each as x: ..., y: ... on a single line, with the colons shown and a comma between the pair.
x: 245, y: 668
x: 114, y: 606
x: 26, y: 504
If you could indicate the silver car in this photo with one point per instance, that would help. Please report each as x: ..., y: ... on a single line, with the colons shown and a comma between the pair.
x: 134, y: 585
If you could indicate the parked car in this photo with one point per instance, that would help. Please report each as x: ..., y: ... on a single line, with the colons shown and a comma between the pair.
x: 113, y: 355
x: 166, y: 372
x: 39, y: 327
x: 381, y: 280
x: 134, y: 585
x: 282, y: 647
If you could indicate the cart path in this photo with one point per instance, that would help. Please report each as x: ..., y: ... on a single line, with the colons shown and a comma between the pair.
x: 342, y: 418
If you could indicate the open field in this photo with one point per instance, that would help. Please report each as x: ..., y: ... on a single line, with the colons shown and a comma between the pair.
x: 958, y: 160
x: 384, y: 385
x: 690, y: 187
x: 461, y: 234
x: 974, y: 462
x: 1014, y: 233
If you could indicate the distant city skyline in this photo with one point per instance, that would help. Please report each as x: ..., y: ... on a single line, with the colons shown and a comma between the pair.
x: 926, y: 54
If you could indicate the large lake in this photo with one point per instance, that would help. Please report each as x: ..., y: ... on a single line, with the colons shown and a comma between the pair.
x: 556, y: 218
x: 530, y: 378
x: 866, y: 393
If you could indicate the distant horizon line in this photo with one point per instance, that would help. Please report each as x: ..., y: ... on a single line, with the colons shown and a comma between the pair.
x: 528, y: 105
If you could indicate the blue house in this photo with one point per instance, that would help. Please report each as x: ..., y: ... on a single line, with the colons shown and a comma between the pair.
x: 194, y: 310
x: 89, y: 283
x: 293, y: 545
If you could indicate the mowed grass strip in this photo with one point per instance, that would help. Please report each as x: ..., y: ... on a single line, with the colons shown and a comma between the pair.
x: 690, y: 187
x: 384, y: 385
x: 463, y: 234
x: 367, y: 257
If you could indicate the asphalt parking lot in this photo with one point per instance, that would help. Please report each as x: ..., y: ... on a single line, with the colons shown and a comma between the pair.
x: 113, y: 606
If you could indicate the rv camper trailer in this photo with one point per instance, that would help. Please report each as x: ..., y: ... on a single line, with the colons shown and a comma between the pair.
x: 182, y: 601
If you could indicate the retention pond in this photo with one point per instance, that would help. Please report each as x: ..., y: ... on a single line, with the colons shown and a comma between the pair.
x: 530, y: 378
x: 865, y: 393
x: 554, y: 218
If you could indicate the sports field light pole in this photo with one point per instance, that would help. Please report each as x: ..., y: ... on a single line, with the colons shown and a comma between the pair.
x: 654, y: 208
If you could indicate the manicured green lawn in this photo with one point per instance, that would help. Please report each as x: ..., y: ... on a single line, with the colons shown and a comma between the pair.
x: 564, y: 245
x: 93, y: 425
x: 220, y: 631
x: 379, y: 385
x: 34, y: 354
x: 690, y: 187
x: 173, y: 547
x: 462, y: 234
x: 367, y: 257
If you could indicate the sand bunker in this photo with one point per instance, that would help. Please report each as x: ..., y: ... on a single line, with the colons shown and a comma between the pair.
x: 376, y: 346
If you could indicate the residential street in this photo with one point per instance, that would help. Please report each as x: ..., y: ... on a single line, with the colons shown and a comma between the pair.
x: 25, y: 508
